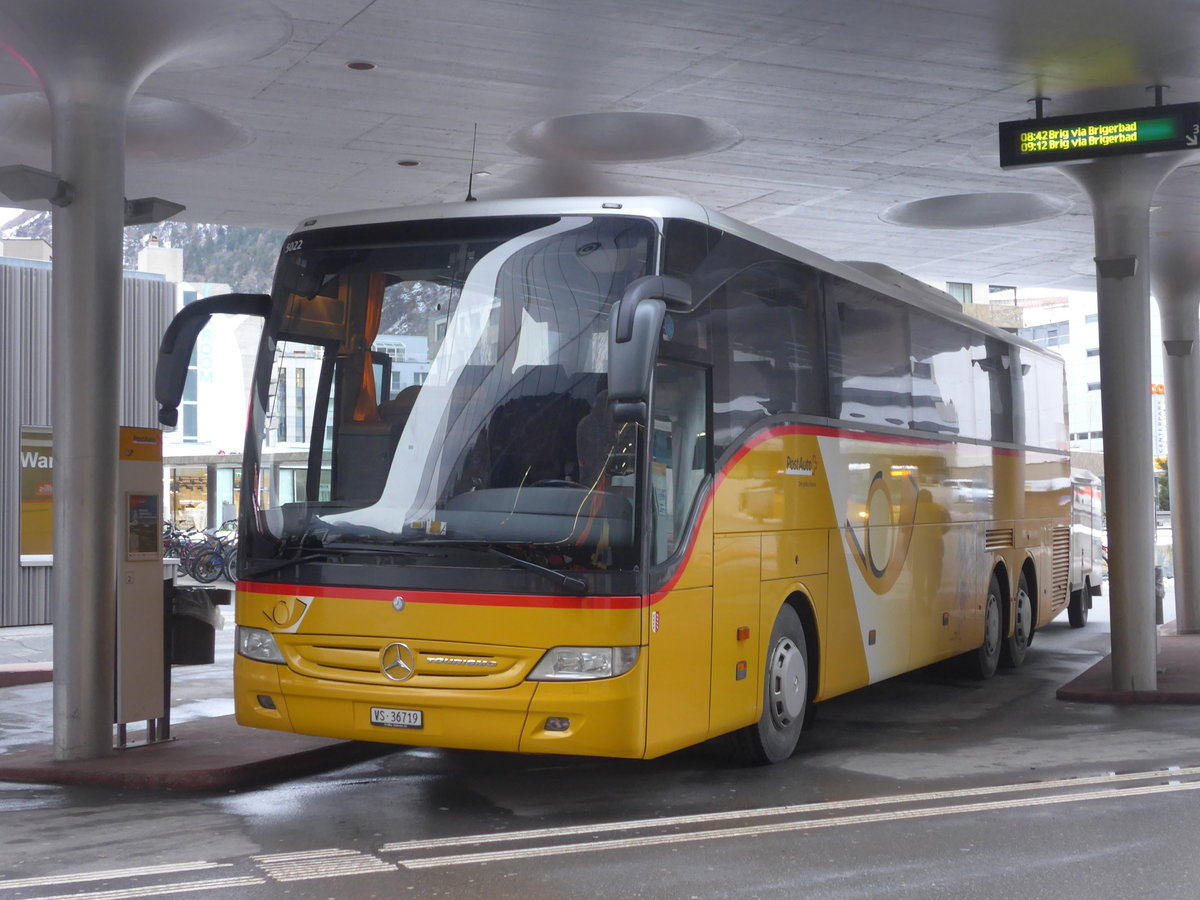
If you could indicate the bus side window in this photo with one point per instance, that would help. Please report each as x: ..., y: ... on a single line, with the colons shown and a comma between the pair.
x: 679, y: 451
x: 870, y: 369
x: 943, y: 389
x: 758, y: 316
x: 769, y: 334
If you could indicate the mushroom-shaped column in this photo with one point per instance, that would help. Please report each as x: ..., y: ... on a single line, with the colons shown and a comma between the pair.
x: 1121, y: 190
x: 90, y: 60
x: 1177, y: 288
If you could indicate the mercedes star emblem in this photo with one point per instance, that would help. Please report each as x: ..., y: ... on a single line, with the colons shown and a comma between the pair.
x: 398, y: 662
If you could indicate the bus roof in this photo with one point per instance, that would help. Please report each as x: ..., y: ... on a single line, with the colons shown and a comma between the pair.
x: 875, y: 276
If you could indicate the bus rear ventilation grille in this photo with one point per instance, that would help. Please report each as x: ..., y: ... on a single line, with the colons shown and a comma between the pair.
x: 997, y: 538
x: 1060, y: 565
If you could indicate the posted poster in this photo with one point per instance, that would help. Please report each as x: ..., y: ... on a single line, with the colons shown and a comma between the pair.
x: 142, y: 526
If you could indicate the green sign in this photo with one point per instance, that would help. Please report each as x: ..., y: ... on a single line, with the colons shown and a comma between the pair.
x: 1065, y: 139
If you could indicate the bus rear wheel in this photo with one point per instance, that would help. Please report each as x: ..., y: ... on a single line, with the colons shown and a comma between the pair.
x: 985, y: 659
x: 774, y: 736
x: 1077, y: 611
x: 1015, y: 646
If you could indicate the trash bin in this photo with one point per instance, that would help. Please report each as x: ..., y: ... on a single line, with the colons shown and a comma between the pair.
x: 194, y: 623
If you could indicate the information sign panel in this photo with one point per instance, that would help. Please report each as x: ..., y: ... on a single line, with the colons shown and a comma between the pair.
x: 1075, y: 138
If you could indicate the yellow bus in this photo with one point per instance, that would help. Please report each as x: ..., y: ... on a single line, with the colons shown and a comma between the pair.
x: 614, y: 476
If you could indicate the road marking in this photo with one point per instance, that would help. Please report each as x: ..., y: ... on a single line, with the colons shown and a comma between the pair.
x: 334, y: 862
x: 793, y: 809
x: 139, y: 872
x: 329, y: 863
x: 158, y: 890
x: 784, y: 827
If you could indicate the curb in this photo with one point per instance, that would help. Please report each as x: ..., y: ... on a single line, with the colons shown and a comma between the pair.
x: 1178, y: 677
x: 212, y: 754
x: 14, y: 674
x: 36, y: 766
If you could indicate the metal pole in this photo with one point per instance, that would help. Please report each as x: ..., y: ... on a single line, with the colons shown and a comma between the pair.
x: 1121, y: 191
x: 89, y: 152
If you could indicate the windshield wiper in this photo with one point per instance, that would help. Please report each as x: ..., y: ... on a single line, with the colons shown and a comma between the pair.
x: 283, y: 564
x: 569, y: 582
x: 336, y: 550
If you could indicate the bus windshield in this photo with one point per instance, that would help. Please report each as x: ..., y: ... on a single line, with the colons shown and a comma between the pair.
x: 445, y: 381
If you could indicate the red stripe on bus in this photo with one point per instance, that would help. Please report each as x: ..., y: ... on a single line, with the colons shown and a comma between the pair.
x: 446, y: 598
x: 819, y: 431
x: 536, y: 601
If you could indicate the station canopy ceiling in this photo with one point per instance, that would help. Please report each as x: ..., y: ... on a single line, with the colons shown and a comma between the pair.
x: 863, y: 129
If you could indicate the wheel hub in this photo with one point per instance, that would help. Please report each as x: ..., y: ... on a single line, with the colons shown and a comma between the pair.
x: 1024, y: 614
x: 992, y: 627
x: 789, y: 683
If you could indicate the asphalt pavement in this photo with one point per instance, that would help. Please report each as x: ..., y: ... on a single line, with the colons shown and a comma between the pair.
x: 206, y: 750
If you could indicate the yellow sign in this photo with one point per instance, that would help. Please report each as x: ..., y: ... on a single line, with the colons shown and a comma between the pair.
x: 141, y: 444
x: 37, y: 491
x: 37, y: 482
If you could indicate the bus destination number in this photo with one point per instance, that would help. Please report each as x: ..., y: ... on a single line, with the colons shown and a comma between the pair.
x: 397, y: 718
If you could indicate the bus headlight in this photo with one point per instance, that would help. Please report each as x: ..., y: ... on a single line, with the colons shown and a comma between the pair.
x: 259, y: 644
x: 584, y: 663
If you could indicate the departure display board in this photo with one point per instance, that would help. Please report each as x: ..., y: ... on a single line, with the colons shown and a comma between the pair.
x: 1064, y: 139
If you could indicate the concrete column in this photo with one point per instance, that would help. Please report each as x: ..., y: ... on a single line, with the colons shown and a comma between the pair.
x: 1121, y: 190
x: 1177, y: 288
x: 89, y: 152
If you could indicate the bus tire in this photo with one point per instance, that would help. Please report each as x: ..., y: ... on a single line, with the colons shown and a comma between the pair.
x: 1015, y: 646
x: 774, y: 736
x: 1077, y: 611
x: 985, y: 659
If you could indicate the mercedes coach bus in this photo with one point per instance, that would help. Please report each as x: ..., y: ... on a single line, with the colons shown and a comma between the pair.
x: 658, y: 477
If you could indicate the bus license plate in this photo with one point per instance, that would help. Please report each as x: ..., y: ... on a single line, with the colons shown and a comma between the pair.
x: 397, y: 718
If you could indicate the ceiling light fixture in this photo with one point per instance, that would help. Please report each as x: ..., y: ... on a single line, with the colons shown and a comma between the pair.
x: 978, y: 210
x: 360, y: 65
x: 624, y: 137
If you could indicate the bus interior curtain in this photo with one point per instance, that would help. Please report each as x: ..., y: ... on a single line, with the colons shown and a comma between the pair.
x: 366, y: 408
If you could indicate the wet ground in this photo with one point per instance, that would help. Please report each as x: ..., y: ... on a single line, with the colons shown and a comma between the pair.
x: 928, y: 785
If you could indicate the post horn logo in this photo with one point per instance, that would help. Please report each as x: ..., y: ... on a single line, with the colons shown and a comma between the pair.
x: 287, y: 613
x: 887, y: 526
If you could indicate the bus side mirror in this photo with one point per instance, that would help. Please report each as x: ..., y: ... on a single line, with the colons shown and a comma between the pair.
x: 179, y: 340
x: 633, y: 341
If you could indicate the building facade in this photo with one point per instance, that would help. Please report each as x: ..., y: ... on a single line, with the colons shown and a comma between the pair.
x: 26, y: 353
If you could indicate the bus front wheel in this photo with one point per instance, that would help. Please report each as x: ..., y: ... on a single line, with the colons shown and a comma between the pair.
x: 774, y: 736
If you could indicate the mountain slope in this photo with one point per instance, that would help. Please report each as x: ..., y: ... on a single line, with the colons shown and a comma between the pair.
x: 243, y: 258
